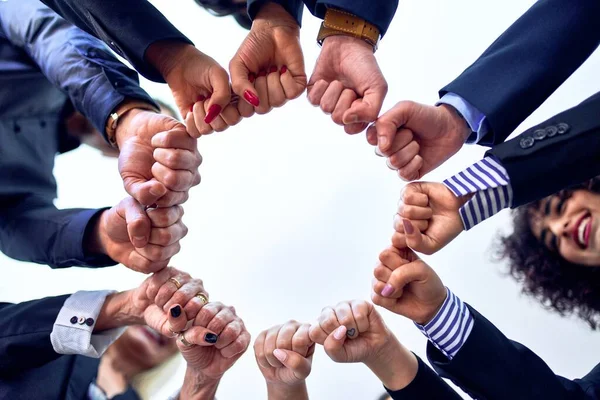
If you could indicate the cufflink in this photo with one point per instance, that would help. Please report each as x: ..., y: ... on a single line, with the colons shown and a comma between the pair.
x: 89, y: 321
x: 81, y: 320
x: 73, y: 319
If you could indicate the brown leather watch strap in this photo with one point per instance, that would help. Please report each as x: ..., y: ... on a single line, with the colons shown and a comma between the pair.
x: 339, y: 22
x: 119, y: 112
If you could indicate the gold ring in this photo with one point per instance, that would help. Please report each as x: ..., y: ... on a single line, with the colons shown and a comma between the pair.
x: 183, y: 341
x: 175, y: 282
x: 203, y: 297
x: 174, y: 334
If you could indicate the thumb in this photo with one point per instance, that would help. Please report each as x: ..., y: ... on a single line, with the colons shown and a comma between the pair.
x: 367, y: 108
x: 221, y: 93
x: 418, y: 241
x: 138, y: 223
x: 242, y: 81
x: 334, y: 344
x: 145, y: 191
x: 388, y: 124
x: 299, y: 365
x: 401, y: 277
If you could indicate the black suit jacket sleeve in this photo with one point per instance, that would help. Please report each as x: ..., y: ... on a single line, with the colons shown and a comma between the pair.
x: 490, y: 366
x: 129, y: 27
x: 558, y: 153
x: 36, y: 231
x: 25, y: 333
x: 426, y: 385
x: 528, y: 62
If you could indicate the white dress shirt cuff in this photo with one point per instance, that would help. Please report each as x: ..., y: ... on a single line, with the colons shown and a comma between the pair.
x: 475, y: 118
x: 73, y: 329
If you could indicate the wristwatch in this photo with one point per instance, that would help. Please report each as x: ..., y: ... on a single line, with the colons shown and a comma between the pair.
x: 339, y: 22
x: 118, y: 113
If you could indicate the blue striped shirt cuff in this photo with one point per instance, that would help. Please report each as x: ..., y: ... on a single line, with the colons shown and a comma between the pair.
x: 451, y: 326
x: 489, y: 183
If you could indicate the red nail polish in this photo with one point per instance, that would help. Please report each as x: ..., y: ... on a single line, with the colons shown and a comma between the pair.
x: 272, y: 69
x: 251, y: 77
x: 192, y: 108
x: 251, y: 98
x: 213, y: 112
x: 208, y: 97
x: 262, y: 72
x: 201, y: 98
x: 283, y: 70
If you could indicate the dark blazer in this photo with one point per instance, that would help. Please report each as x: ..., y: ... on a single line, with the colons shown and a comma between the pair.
x: 29, y: 366
x: 491, y: 366
x: 528, y: 62
x: 426, y: 385
x: 560, y: 152
x: 129, y: 27
x: 377, y: 12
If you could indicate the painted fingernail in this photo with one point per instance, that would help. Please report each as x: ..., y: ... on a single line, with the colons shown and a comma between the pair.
x: 212, y: 113
x: 387, y: 290
x: 192, y: 108
x: 340, y: 332
x: 351, y: 332
x: 283, y: 70
x: 211, y: 338
x: 262, y: 72
x: 383, y: 142
x: 272, y: 69
x: 251, y: 98
x: 251, y: 77
x: 408, y: 228
x: 176, y: 311
x: 201, y: 98
x: 280, y: 355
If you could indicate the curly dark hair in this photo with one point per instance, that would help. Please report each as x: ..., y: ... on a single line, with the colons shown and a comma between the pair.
x: 558, y: 284
x: 222, y: 8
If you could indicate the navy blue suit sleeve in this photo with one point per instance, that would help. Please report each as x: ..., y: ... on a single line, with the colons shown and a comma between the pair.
x: 528, y: 62
x: 564, y: 147
x: 490, y: 366
x: 36, y: 231
x: 426, y: 385
x: 25, y: 333
x: 129, y: 27
x: 294, y: 7
x: 77, y: 63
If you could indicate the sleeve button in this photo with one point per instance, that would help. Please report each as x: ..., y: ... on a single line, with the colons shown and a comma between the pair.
x: 526, y: 142
x: 539, y: 134
x: 551, y: 131
x: 89, y: 321
x: 562, y: 128
x: 73, y: 319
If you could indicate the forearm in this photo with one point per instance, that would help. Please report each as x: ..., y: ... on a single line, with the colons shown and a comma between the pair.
x: 197, y: 387
x: 287, y: 392
x: 396, y: 367
x: 117, y: 312
x: 36, y: 231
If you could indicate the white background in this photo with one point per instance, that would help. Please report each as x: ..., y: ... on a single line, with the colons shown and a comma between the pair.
x: 291, y: 212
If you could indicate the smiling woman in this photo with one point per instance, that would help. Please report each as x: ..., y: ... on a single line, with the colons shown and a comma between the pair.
x: 554, y: 250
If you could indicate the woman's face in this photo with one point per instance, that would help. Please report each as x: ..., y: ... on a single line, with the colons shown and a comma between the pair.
x: 570, y: 226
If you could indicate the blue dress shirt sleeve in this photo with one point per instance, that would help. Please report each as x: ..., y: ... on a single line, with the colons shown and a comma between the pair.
x: 488, y: 182
x: 450, y: 328
x: 77, y: 63
x: 293, y: 7
x: 36, y: 231
x: 474, y: 118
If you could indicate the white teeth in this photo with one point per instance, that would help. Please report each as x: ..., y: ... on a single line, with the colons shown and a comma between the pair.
x: 581, y: 231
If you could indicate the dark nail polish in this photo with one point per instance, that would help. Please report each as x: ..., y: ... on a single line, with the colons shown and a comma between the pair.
x: 272, y: 69
x: 408, y: 228
x: 251, y: 77
x: 211, y: 338
x: 262, y: 72
x: 251, y: 98
x: 283, y: 70
x: 176, y: 311
x: 213, y: 112
x: 201, y: 98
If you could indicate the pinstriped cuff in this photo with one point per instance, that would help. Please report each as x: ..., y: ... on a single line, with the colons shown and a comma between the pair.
x: 489, y: 183
x: 451, y: 326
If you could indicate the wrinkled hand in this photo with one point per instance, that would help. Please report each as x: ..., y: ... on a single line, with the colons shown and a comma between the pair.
x: 159, y: 300
x: 407, y: 286
x: 158, y: 160
x: 199, y: 84
x: 428, y: 217
x: 352, y: 331
x: 143, y: 241
x: 284, y: 354
x: 418, y: 138
x: 347, y: 83
x: 268, y: 68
